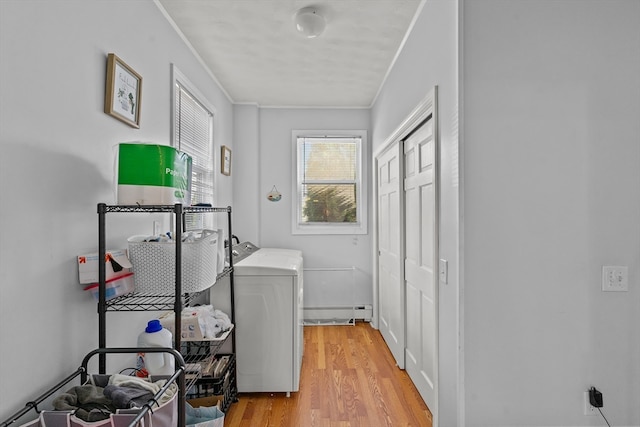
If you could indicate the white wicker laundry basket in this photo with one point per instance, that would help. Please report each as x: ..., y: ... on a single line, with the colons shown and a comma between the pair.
x: 154, y: 264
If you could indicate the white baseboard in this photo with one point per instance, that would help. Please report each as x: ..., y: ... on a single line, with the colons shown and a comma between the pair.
x: 324, y: 315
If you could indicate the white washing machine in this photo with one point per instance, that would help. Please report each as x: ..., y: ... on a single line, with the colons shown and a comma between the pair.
x: 268, y: 315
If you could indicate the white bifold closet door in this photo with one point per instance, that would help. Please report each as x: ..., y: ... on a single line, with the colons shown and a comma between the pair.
x: 390, y: 229
x: 408, y: 224
x: 420, y: 263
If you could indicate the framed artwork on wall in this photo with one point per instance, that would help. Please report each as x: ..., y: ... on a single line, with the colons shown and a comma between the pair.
x: 123, y: 93
x: 225, y: 160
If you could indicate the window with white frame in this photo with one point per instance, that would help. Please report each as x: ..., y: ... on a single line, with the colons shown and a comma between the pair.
x: 329, y: 182
x: 193, y: 134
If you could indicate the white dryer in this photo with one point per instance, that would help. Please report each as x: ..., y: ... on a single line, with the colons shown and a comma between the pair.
x: 268, y: 288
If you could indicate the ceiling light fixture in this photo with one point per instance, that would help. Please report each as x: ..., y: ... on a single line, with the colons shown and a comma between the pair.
x: 309, y: 22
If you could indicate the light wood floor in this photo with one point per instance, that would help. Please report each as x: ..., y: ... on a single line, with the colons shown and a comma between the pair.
x: 349, y: 379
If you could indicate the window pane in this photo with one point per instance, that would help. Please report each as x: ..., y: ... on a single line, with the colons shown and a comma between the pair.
x: 329, y: 203
x: 329, y: 159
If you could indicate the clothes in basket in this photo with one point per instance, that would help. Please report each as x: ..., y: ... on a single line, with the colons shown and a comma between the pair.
x: 113, y: 404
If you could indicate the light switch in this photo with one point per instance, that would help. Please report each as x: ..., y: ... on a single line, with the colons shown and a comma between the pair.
x: 615, y: 278
x: 444, y: 271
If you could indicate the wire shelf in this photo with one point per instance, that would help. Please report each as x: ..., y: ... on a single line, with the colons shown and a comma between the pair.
x: 174, y: 300
x: 164, y: 208
x: 145, y: 302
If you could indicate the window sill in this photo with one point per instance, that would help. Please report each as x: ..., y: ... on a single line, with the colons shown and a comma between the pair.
x: 328, y: 229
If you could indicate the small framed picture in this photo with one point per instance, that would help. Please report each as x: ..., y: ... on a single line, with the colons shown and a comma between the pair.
x: 123, y: 92
x: 225, y: 160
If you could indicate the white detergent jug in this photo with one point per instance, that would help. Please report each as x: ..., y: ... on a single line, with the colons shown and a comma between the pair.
x: 155, y: 363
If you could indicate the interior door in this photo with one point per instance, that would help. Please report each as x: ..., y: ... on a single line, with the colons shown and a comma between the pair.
x: 421, y: 243
x: 390, y: 277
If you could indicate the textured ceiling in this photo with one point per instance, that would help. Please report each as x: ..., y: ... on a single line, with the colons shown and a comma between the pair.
x: 255, y: 53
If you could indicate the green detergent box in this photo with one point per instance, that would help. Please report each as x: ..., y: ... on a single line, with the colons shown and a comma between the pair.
x: 151, y: 174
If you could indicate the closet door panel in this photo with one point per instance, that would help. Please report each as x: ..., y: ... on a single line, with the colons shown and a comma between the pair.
x: 390, y: 271
x: 420, y: 261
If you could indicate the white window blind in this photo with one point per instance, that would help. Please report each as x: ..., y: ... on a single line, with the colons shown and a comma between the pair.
x: 194, y: 136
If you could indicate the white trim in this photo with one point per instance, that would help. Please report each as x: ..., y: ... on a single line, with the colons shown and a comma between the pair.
x: 328, y: 314
x: 315, y: 107
x: 419, y: 114
x: 436, y: 248
x: 461, y: 380
x: 192, y: 49
x: 362, y: 204
x: 250, y: 104
x: 374, y: 238
x: 399, y: 51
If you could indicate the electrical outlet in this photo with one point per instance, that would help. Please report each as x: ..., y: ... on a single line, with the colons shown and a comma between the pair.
x: 615, y: 278
x: 588, y: 409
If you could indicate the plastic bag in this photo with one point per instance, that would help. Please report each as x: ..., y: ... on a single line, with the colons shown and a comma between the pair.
x: 204, y: 416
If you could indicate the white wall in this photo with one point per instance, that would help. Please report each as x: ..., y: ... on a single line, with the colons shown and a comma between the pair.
x: 246, y: 173
x: 57, y: 164
x: 429, y: 58
x: 274, y: 167
x: 551, y: 101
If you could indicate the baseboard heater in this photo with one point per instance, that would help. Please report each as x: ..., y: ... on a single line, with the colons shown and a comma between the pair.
x: 337, y: 315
